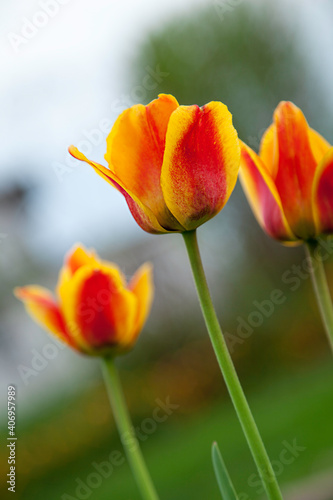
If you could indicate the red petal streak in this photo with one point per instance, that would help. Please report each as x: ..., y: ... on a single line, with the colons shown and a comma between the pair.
x: 94, y: 315
x: 201, y: 162
x: 296, y: 168
x: 263, y: 197
x: 323, y: 194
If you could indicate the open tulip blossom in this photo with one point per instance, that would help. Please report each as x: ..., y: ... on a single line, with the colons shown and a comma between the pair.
x: 175, y: 165
x: 95, y: 311
x: 289, y: 186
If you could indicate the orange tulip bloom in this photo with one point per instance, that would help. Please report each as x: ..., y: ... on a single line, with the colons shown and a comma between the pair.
x: 175, y: 165
x: 95, y: 312
x: 289, y: 185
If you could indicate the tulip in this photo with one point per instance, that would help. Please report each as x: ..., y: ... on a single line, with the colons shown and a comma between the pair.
x: 289, y: 185
x: 95, y: 312
x: 175, y: 165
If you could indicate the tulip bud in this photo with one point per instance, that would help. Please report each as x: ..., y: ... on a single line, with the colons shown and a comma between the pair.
x: 289, y: 185
x: 95, y: 311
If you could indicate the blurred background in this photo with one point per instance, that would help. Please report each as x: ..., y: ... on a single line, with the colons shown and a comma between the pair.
x: 68, y: 70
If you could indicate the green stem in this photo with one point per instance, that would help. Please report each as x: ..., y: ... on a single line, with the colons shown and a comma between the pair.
x: 321, y: 288
x: 126, y: 430
x: 229, y: 373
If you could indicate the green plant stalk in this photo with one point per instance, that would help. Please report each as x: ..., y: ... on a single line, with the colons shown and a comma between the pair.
x: 222, y: 475
x: 126, y: 430
x: 236, y: 392
x: 321, y: 289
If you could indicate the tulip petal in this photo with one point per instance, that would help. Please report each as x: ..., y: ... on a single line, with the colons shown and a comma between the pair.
x: 42, y: 307
x: 319, y: 145
x: 79, y: 257
x: 98, y: 310
x: 323, y: 194
x: 201, y: 162
x: 143, y: 288
x: 296, y: 168
x: 263, y: 196
x: 76, y: 258
x: 135, y: 148
x: 141, y: 213
x: 269, y: 154
x: 268, y: 151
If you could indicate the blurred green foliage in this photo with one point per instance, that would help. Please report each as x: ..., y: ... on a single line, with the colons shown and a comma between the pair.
x: 178, y: 452
x: 248, y: 57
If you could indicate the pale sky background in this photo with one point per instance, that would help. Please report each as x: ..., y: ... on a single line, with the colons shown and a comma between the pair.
x: 68, y: 77
x: 53, y: 89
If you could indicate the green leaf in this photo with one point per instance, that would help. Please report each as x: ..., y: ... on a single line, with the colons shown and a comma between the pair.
x: 222, y: 476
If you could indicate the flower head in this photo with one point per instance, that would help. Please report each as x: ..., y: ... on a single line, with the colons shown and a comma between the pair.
x: 95, y: 311
x: 290, y: 183
x: 175, y: 165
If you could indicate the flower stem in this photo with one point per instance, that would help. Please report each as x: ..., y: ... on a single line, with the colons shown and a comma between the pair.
x: 229, y: 373
x: 126, y: 430
x: 321, y: 289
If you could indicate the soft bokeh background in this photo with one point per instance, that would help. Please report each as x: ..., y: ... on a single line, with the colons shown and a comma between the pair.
x: 65, y: 82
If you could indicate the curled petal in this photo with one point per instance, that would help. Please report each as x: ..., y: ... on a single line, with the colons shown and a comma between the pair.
x: 135, y: 149
x: 40, y: 304
x: 263, y: 196
x: 143, y: 288
x: 323, y: 194
x: 141, y: 213
x: 98, y: 310
x: 201, y: 162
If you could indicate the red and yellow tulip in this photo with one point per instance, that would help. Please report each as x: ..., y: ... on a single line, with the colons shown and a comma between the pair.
x: 289, y: 185
x: 95, y: 311
x: 175, y: 165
